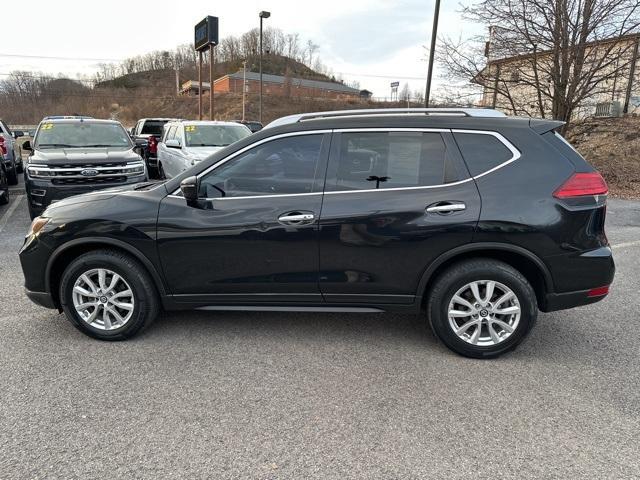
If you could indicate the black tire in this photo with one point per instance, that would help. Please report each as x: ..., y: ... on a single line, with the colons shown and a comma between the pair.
x: 4, y: 187
x: 463, y: 273
x: 161, y: 175
x: 12, y: 174
x: 32, y: 213
x: 147, y: 303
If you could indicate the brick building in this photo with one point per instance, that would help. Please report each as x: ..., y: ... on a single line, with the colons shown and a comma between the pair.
x: 277, y: 85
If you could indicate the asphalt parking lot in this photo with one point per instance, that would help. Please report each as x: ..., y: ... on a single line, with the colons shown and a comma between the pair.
x: 274, y: 395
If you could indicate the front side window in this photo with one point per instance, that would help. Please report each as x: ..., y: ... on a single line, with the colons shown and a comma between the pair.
x: 82, y: 135
x: 214, y: 135
x: 380, y: 160
x: 283, y: 166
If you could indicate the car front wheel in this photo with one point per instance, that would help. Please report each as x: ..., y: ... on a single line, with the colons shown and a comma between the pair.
x: 482, y: 308
x: 108, y: 295
x: 12, y: 174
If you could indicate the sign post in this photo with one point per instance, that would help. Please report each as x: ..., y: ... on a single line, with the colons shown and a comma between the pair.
x: 206, y: 38
x: 394, y: 90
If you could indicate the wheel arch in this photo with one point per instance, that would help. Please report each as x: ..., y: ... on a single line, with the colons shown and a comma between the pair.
x: 523, y: 260
x: 61, y: 257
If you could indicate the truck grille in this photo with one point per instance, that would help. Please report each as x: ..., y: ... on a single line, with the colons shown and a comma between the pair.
x: 87, y: 174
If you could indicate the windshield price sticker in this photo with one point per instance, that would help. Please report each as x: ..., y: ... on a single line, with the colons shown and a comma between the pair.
x: 47, y: 126
x: 190, y: 128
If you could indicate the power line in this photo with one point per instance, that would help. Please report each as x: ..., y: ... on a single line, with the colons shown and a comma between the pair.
x: 45, y: 57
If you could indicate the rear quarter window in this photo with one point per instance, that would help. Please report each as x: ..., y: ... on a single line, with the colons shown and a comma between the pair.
x: 482, y: 152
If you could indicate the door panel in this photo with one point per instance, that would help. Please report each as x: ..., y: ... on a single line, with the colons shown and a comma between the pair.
x: 244, y: 249
x: 376, y: 243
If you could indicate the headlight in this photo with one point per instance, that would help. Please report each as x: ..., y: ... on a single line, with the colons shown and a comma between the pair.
x: 134, y: 168
x: 37, y: 225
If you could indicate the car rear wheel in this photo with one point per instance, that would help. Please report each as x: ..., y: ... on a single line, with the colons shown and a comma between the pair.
x: 161, y: 174
x: 482, y: 308
x: 108, y: 295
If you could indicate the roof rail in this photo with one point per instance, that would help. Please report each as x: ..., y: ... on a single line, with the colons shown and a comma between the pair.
x: 374, y: 112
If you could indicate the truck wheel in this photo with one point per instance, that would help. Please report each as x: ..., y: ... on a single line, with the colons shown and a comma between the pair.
x: 482, y: 308
x: 108, y: 295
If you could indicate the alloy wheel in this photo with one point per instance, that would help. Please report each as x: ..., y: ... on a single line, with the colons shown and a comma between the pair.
x: 103, y: 299
x: 484, y: 313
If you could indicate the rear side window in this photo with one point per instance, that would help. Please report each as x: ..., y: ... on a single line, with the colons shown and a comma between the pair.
x: 152, y: 128
x: 379, y: 160
x: 482, y: 152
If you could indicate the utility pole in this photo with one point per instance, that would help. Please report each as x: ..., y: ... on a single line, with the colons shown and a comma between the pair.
x: 200, y: 85
x: 262, y: 15
x: 432, y: 51
x: 211, y: 99
x: 244, y: 87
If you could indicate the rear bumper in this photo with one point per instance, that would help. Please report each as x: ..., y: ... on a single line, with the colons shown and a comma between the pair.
x: 563, y: 301
x: 575, y: 275
x: 41, y: 298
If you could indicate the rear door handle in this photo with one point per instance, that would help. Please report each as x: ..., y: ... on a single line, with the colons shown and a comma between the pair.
x: 445, y: 208
x: 296, y: 218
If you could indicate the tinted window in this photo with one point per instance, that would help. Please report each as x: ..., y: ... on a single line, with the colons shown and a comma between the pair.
x: 283, y: 166
x: 369, y: 160
x: 482, y: 152
x: 152, y: 127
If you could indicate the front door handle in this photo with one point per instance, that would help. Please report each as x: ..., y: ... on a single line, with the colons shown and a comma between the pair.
x: 296, y: 218
x: 445, y: 208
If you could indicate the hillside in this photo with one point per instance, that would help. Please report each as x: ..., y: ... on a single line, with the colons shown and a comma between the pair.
x: 612, y: 145
x: 165, y: 79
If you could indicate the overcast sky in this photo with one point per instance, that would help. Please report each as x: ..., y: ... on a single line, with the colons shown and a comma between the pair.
x: 360, y: 39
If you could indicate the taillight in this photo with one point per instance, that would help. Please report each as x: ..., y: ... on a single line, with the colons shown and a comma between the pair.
x: 3, y: 147
x: 582, y: 184
x: 153, y: 144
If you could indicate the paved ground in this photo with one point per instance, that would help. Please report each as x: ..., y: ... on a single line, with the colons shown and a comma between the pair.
x: 272, y: 395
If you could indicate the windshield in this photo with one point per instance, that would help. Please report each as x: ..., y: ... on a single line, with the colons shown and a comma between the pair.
x: 81, y: 135
x: 153, y: 127
x: 214, y: 135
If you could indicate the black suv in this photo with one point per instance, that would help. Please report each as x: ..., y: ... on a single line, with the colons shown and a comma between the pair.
x: 72, y: 155
x: 479, y: 219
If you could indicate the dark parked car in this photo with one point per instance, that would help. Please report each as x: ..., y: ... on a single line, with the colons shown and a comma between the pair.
x: 146, y: 134
x: 254, y: 126
x: 70, y: 156
x: 4, y: 182
x: 478, y: 219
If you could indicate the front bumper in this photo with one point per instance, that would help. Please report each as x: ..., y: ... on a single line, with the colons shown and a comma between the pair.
x: 43, y: 299
x: 42, y: 192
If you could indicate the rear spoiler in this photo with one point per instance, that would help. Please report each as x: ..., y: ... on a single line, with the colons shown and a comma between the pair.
x: 540, y: 125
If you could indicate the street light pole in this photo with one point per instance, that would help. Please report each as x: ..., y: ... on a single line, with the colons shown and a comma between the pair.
x: 432, y: 51
x: 262, y: 15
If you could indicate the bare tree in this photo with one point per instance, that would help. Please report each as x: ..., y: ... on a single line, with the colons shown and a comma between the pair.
x: 560, y: 49
x: 312, y: 48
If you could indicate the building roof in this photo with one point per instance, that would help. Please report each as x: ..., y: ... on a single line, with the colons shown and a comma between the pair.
x: 295, y: 82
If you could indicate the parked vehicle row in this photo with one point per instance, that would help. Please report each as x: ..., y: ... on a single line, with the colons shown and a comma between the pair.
x: 474, y: 219
x: 146, y: 134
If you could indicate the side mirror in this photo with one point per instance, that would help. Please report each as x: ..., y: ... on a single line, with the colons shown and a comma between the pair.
x: 173, y: 143
x: 26, y: 146
x: 18, y: 133
x: 189, y: 188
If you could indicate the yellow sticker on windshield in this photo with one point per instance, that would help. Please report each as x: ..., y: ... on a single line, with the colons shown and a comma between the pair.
x: 47, y: 126
x: 190, y: 128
